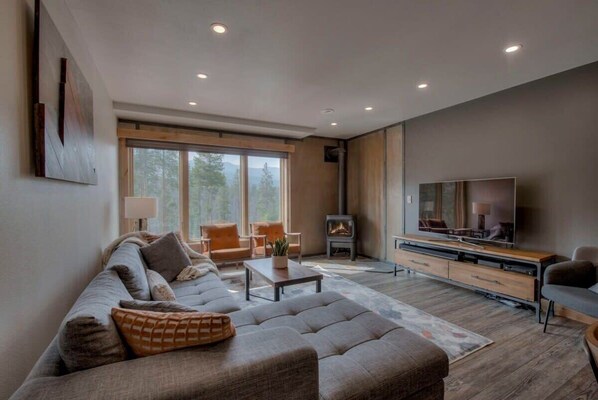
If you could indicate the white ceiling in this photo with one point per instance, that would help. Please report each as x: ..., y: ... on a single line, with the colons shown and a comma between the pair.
x: 283, y: 61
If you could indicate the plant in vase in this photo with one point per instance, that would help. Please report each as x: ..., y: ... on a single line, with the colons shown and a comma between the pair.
x: 280, y: 253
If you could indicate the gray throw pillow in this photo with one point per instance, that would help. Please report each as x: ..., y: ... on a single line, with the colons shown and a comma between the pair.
x: 128, y: 263
x: 88, y: 336
x: 594, y: 288
x: 157, y: 306
x: 160, y: 289
x: 166, y: 256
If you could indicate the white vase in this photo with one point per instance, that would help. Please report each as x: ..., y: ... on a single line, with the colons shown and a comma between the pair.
x: 280, y: 261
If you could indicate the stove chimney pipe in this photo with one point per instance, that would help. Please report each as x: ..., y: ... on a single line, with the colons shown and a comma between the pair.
x: 341, y: 153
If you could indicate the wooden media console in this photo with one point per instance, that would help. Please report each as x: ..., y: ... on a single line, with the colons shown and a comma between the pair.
x: 512, y: 274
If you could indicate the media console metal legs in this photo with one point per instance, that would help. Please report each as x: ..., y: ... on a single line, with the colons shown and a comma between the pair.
x: 247, y: 276
x: 398, y: 269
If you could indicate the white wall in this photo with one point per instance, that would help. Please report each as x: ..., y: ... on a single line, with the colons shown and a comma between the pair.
x: 51, y: 232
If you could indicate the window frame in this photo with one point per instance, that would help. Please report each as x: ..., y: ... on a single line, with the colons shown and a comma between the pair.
x: 267, y: 149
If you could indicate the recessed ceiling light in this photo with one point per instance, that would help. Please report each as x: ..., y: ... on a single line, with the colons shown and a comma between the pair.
x: 333, y: 124
x: 202, y: 76
x: 192, y: 103
x: 512, y: 49
x: 219, y: 28
x: 369, y: 108
x: 422, y: 85
x: 327, y: 111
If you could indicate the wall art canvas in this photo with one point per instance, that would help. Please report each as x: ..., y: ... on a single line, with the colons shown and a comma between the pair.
x: 62, y: 108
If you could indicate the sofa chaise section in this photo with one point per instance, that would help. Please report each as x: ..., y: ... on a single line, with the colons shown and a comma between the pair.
x: 361, y: 354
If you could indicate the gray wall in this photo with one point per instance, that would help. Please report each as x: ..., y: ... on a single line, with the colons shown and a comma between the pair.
x: 51, y: 232
x: 545, y: 133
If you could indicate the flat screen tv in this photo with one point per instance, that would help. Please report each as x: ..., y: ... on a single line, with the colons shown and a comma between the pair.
x: 475, y: 210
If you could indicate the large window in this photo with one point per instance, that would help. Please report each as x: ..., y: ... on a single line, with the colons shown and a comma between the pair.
x: 196, y: 188
x: 264, y: 189
x: 156, y: 174
x: 214, y: 190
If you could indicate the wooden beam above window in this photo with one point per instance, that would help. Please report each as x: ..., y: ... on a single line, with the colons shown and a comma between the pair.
x: 192, y: 139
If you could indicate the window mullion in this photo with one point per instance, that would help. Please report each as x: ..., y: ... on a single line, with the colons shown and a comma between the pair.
x: 244, y: 195
x: 184, y: 194
x: 284, y: 194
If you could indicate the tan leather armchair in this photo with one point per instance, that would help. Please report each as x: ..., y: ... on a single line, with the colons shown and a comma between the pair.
x: 222, y: 243
x: 263, y: 233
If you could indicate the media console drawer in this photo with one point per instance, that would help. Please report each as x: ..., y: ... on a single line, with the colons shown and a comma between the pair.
x: 499, y: 281
x: 422, y: 263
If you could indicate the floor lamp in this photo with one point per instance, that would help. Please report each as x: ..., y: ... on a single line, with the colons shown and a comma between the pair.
x: 140, y: 209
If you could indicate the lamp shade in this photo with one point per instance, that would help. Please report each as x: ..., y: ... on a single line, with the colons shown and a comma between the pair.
x: 481, y: 208
x: 141, y: 207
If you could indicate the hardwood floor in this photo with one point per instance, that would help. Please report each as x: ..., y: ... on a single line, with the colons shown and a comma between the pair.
x: 523, y: 363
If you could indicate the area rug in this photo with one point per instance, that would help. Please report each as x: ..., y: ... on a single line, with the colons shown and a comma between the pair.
x: 454, y: 340
x: 360, y: 265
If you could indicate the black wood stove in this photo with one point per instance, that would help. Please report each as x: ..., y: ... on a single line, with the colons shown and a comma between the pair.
x: 341, y: 231
x: 341, y: 234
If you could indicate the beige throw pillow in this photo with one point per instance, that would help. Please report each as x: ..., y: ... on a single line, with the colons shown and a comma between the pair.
x: 159, y: 288
x: 148, y: 333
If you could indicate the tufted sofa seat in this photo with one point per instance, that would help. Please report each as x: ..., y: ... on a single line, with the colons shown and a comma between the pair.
x: 361, y: 354
x: 205, y: 294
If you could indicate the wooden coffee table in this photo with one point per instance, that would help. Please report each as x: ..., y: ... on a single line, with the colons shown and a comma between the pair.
x: 279, y: 278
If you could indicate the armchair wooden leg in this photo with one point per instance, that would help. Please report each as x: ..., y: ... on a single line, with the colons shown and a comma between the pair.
x: 550, y: 307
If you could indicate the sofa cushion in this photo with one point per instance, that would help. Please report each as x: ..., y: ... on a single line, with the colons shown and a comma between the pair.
x: 159, y: 288
x: 127, y: 262
x: 88, y: 337
x: 148, y: 333
x: 230, y: 254
x: 157, y: 306
x: 166, y: 256
x: 361, y: 354
x: 579, y: 299
x: 206, y: 293
x: 222, y: 236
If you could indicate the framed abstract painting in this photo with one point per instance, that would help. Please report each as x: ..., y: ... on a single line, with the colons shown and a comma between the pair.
x: 62, y: 108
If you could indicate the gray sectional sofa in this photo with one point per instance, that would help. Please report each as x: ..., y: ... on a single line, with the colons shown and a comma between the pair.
x: 319, y: 346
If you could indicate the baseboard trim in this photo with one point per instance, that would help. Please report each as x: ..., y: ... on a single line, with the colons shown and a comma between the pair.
x: 565, y: 312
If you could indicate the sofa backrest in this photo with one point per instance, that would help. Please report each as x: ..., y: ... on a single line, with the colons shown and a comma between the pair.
x: 88, y: 337
x: 128, y: 262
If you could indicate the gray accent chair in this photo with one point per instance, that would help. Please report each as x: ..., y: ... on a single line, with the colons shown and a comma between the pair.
x: 567, y: 283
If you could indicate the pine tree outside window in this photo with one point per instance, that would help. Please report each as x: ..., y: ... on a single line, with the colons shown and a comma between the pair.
x: 264, y: 189
x: 156, y: 174
x: 214, y: 190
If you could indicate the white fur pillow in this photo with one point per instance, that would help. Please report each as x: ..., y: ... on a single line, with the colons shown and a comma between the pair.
x: 159, y: 288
